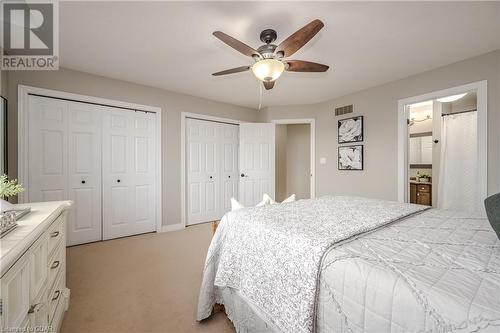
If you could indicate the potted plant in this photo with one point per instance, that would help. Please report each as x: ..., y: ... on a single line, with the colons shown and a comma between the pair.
x: 8, y: 188
x: 424, y: 177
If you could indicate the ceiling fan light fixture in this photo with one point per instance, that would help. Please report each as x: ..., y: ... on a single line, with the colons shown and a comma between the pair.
x: 268, y: 70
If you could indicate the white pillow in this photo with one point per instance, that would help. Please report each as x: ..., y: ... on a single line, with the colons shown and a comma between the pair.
x: 235, y: 204
x: 267, y: 198
x: 289, y: 199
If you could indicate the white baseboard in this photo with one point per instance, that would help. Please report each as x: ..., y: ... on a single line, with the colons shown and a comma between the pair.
x: 172, y: 227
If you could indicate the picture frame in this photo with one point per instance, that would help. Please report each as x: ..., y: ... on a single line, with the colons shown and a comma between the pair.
x: 351, y: 157
x: 350, y: 130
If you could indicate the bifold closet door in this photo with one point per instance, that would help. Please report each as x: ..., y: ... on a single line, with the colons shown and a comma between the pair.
x: 128, y: 171
x: 64, y: 153
x: 211, y: 169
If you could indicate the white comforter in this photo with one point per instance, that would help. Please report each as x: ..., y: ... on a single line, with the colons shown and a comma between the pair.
x: 272, y: 255
x: 435, y: 271
x: 438, y: 271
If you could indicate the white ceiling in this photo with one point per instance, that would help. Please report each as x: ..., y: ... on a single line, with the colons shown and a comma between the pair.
x: 170, y: 45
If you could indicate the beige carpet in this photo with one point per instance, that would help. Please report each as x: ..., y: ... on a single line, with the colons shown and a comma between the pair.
x: 146, y: 283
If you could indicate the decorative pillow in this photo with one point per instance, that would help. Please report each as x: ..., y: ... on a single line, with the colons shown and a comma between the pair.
x: 266, y: 197
x: 289, y: 199
x: 235, y: 204
x: 266, y: 200
x: 492, y: 206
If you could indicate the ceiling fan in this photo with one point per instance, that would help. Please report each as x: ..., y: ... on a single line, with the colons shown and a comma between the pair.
x: 269, y: 58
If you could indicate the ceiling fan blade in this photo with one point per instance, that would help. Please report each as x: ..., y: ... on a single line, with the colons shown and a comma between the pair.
x: 236, y: 44
x: 232, y: 71
x: 268, y: 85
x: 305, y: 66
x: 300, y: 38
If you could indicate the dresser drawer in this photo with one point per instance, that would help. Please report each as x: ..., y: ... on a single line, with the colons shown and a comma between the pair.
x: 55, y: 295
x: 56, y: 232
x: 38, y: 265
x: 424, y: 188
x: 55, y: 264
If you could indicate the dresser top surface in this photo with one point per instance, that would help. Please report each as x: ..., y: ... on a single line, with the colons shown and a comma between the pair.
x: 30, y: 227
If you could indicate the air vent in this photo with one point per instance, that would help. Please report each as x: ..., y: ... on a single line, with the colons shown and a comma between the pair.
x: 343, y: 110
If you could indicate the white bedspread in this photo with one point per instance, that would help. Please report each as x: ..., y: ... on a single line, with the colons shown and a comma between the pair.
x: 272, y: 255
x: 438, y: 271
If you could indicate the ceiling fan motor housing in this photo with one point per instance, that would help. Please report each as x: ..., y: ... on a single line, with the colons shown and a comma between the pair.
x: 268, y: 36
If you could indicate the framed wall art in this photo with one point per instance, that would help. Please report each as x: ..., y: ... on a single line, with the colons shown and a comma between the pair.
x: 350, y: 130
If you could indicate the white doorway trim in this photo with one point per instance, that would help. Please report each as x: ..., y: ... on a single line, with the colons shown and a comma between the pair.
x: 22, y: 136
x: 481, y: 87
x: 184, y: 116
x: 312, y: 122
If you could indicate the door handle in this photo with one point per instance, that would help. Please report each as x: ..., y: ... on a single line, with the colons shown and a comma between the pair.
x: 243, y: 175
x: 211, y: 177
x: 118, y: 180
x: 436, y: 141
x: 83, y: 181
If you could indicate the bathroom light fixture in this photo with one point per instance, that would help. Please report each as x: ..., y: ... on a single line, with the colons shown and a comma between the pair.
x: 451, y: 98
x: 268, y: 70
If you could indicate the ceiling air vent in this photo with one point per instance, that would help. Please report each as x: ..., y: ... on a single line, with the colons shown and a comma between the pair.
x: 343, y: 110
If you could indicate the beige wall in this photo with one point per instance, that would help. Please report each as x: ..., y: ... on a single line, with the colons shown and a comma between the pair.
x: 280, y: 162
x: 293, y: 162
x: 298, y: 160
x: 172, y: 105
x: 379, y: 107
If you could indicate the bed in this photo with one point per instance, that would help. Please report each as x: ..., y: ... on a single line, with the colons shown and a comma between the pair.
x: 346, y: 264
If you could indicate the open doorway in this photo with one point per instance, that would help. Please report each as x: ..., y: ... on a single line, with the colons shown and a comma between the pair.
x: 294, y: 156
x: 444, y: 156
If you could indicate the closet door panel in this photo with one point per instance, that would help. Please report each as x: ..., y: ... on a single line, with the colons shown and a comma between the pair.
x: 229, y: 166
x: 47, y: 148
x: 116, y: 173
x: 144, y: 172
x: 203, y: 164
x: 129, y: 173
x: 84, y: 160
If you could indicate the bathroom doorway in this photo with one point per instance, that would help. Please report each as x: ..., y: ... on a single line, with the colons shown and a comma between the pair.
x: 445, y: 149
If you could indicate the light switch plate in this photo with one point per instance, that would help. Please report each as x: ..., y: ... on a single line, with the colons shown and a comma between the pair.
x: 322, y: 160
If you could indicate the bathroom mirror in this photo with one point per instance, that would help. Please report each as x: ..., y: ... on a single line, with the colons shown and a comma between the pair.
x: 420, y: 151
x: 3, y: 135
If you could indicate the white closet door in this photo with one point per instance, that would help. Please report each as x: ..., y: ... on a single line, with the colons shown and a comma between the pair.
x: 229, y: 169
x: 47, y: 149
x: 128, y: 171
x: 65, y: 162
x: 203, y: 171
x: 84, y: 171
x: 256, y: 162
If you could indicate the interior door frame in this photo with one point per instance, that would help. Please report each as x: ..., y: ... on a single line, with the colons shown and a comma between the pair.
x: 23, y: 93
x: 481, y: 87
x: 312, y: 123
x: 184, y: 116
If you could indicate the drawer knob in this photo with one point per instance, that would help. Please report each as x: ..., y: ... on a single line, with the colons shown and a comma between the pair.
x: 83, y: 181
x: 55, y: 264
x: 57, y: 293
x: 54, y: 234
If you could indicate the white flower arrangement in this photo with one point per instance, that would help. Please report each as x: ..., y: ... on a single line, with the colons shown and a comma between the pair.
x: 9, y: 188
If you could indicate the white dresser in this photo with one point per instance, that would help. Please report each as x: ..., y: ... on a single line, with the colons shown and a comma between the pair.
x: 33, y: 289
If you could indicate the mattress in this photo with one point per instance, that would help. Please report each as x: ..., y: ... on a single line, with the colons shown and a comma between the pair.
x: 437, y: 271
